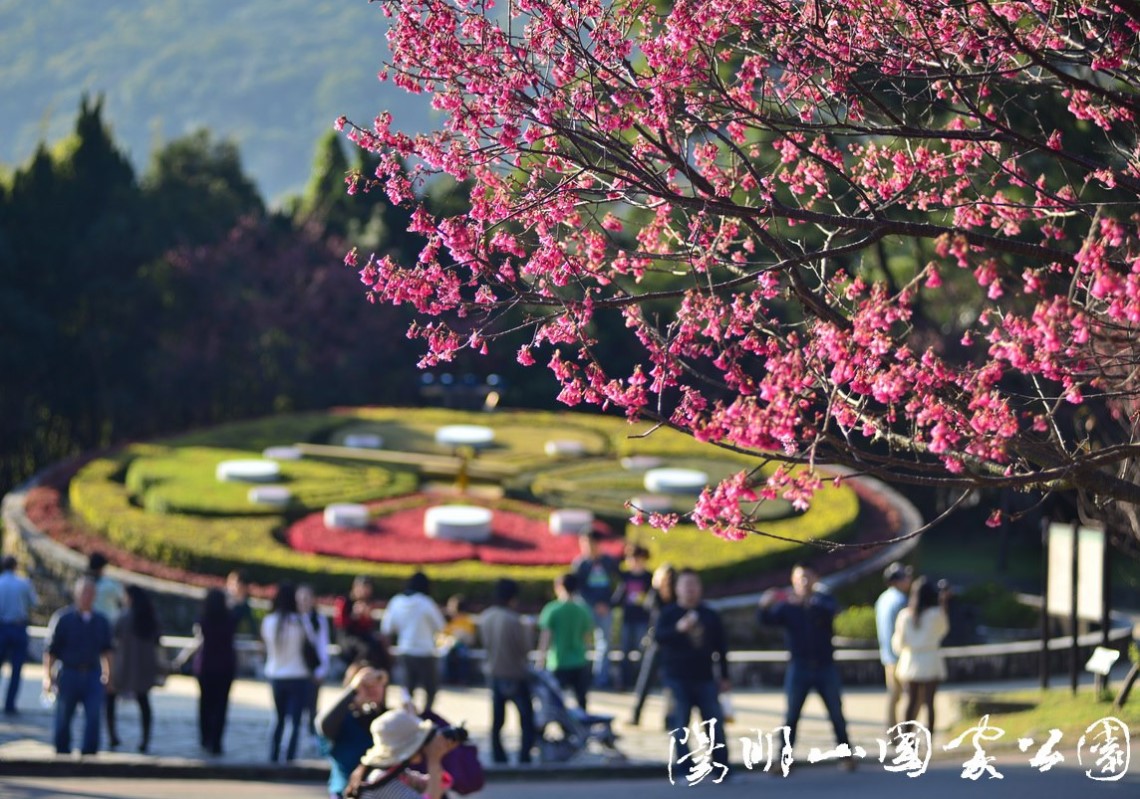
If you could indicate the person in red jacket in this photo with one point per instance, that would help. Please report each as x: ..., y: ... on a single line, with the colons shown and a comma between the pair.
x: 357, y: 634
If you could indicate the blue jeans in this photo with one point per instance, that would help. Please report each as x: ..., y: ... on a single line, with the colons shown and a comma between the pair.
x: 603, y: 632
x: 517, y: 692
x: 73, y: 687
x: 704, y: 695
x: 312, y: 691
x: 289, y: 698
x: 824, y: 678
x: 457, y: 664
x: 14, y: 650
x: 632, y: 636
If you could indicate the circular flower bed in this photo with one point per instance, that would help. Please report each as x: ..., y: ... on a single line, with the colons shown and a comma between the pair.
x: 520, y: 536
x: 157, y: 508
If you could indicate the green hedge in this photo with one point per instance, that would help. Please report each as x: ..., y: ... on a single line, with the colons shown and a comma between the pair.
x: 255, y: 435
x: 857, y: 621
x: 999, y: 607
x: 834, y: 518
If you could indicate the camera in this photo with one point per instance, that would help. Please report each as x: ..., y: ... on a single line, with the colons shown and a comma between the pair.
x: 457, y: 734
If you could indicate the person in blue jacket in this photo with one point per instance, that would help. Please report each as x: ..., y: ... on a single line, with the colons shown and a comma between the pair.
x: 79, y: 641
x: 807, y: 614
x: 887, y: 607
x: 345, y: 725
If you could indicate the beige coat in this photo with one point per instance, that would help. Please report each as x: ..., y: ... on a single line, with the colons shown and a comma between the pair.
x: 135, y: 662
x: 917, y: 645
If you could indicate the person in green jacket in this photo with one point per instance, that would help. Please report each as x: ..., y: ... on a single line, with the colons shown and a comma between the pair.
x: 566, y: 632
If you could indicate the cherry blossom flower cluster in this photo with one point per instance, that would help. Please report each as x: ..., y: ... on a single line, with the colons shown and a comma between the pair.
x: 901, y: 236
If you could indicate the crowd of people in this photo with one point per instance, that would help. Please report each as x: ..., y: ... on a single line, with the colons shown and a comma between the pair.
x: 105, y: 646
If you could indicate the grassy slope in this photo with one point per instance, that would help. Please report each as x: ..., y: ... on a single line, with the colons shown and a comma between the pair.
x: 273, y: 74
x: 1056, y: 708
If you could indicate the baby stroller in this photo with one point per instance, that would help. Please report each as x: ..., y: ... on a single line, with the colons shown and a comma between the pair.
x: 563, y: 732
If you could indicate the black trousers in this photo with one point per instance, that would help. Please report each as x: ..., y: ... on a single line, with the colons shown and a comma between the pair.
x: 144, y: 719
x: 213, y: 703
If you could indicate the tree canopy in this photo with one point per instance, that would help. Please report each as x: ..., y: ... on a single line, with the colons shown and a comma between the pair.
x: 130, y: 307
x: 898, y: 236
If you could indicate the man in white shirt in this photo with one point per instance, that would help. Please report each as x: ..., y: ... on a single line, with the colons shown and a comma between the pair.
x: 415, y: 619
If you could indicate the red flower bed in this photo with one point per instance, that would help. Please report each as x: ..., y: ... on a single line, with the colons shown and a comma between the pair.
x: 520, y: 539
x: 44, y: 509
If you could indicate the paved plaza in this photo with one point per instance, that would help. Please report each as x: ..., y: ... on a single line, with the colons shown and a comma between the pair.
x: 25, y: 740
x: 30, y: 769
x: 942, y: 781
x: 27, y: 737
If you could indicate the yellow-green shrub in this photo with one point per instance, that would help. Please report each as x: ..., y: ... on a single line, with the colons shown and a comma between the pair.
x: 857, y: 621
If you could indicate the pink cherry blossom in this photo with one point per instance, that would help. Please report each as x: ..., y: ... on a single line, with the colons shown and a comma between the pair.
x: 844, y: 233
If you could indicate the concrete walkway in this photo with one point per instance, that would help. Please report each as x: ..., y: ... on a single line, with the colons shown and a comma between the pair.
x: 25, y: 740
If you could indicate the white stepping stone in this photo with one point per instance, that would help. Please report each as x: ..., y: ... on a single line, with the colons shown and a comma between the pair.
x: 565, y: 449
x: 675, y: 481
x: 346, y: 515
x: 640, y: 463
x: 282, y: 454
x: 248, y: 471
x: 458, y: 523
x: 275, y: 496
x: 571, y: 521
x: 653, y: 503
x: 464, y: 435
x: 364, y: 441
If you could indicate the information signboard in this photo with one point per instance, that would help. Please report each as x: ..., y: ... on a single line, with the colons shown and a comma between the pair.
x: 1090, y: 572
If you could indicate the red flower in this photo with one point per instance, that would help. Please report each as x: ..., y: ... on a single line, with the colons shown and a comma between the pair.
x: 398, y: 537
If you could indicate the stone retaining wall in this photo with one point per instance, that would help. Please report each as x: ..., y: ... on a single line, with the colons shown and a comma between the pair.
x: 53, y: 569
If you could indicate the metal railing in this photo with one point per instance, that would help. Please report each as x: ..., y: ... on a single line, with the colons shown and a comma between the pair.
x: 251, y: 651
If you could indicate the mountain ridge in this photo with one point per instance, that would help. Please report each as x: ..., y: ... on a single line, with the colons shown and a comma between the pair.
x: 272, y: 75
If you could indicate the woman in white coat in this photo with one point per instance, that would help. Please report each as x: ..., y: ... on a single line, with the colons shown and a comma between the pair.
x: 919, y: 631
x: 283, y: 633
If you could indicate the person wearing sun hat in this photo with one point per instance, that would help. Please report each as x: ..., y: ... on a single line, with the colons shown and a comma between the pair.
x: 400, y: 740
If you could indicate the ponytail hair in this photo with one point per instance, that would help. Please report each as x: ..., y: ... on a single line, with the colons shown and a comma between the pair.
x: 923, y: 595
